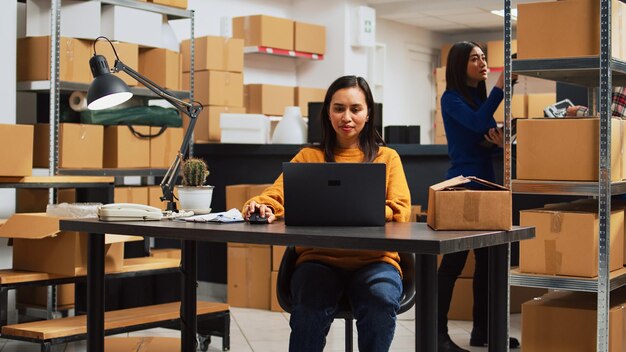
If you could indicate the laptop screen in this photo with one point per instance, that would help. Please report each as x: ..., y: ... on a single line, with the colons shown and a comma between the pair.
x: 334, y: 194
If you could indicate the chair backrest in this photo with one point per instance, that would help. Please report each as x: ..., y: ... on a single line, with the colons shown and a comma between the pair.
x: 288, y: 265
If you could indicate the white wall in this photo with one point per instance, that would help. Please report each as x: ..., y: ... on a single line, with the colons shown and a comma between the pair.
x: 409, y: 91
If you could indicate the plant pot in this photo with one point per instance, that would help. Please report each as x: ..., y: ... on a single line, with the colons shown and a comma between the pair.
x: 196, y: 199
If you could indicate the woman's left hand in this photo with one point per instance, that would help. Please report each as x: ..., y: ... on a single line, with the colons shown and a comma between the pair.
x: 495, y: 136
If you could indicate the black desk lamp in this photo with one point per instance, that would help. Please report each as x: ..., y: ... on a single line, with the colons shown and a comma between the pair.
x: 107, y: 91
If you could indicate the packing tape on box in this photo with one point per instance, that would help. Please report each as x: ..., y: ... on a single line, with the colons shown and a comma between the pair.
x: 553, y: 258
x: 78, y: 101
x: 471, y: 205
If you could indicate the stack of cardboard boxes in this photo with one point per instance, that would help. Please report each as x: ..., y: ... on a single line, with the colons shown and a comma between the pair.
x: 218, y: 81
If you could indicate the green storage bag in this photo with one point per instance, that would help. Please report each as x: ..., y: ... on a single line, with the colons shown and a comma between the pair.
x: 137, y: 115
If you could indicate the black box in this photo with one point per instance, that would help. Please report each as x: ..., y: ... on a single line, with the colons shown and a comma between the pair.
x: 402, y: 134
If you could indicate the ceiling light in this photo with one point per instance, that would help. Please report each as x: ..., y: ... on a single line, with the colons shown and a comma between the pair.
x: 501, y: 13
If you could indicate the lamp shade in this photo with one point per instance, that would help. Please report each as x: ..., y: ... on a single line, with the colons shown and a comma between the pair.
x: 106, y: 90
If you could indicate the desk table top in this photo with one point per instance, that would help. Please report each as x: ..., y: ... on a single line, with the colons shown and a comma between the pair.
x: 404, y: 237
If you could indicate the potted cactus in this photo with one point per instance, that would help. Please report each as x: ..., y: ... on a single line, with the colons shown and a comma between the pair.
x: 193, y: 194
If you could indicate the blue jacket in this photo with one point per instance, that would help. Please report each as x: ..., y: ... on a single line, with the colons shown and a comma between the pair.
x: 465, y: 129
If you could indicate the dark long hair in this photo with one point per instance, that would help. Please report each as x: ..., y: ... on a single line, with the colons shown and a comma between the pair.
x: 456, y: 72
x: 369, y: 139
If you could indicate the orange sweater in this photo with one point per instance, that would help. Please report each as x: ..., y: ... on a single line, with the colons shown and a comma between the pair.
x: 397, y: 207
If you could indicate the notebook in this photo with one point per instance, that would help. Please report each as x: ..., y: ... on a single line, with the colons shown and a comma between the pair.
x: 334, y: 194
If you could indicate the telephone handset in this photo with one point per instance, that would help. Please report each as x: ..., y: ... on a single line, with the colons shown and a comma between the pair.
x: 128, y: 212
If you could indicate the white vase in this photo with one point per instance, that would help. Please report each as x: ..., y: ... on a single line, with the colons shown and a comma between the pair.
x: 196, y: 199
x: 291, y: 129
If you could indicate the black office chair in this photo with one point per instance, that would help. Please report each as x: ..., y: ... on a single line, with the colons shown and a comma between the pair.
x: 288, y: 265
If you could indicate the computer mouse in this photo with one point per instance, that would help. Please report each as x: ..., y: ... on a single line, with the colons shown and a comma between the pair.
x: 256, y: 218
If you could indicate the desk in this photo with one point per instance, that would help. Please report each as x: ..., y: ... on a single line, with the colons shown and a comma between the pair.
x: 406, y: 237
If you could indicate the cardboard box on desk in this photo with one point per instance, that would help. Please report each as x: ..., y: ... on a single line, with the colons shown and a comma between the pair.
x: 39, y: 245
x: 452, y: 206
x: 33, y: 59
x: 543, y: 31
x: 566, y: 242
x: 18, y: 161
x: 80, y: 145
x: 567, y: 321
x: 262, y: 30
x: 123, y: 149
x: 545, y: 148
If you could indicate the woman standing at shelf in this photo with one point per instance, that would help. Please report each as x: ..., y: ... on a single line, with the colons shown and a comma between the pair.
x: 371, y: 280
x: 472, y: 136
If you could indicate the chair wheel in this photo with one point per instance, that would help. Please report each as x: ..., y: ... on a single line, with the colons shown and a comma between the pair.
x: 203, y: 342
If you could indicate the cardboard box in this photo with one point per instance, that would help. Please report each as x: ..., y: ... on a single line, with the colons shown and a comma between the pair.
x: 303, y: 96
x: 137, y: 195
x: 208, y: 123
x: 545, y: 148
x: 309, y: 38
x: 161, y: 66
x: 173, y: 253
x: 38, y: 296
x: 33, y: 59
x: 123, y: 149
x: 566, y: 242
x: 238, y: 195
x: 519, y: 105
x: 462, y: 300
x: 80, y: 146
x: 127, y: 52
x: 248, y: 271
x: 121, y: 23
x: 80, y: 19
x: 539, y: 101
x: 445, y: 49
x: 142, y: 344
x: 214, y: 53
x: 29, y: 200
x: 495, y: 52
x: 262, y: 30
x: 174, y: 3
x: 543, y: 31
x: 268, y: 99
x: 164, y: 147
x: 277, y: 256
x: 39, y: 245
x: 274, y: 305
x: 468, y: 268
x: 567, y: 321
x: 452, y: 206
x: 217, y: 88
x: 19, y: 138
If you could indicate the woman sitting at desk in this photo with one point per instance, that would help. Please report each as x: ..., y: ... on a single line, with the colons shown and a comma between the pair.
x: 371, y: 280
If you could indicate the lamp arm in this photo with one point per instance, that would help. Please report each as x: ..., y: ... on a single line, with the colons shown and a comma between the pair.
x: 190, y: 109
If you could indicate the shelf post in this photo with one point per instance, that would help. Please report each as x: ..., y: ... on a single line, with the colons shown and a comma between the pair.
x: 604, y: 181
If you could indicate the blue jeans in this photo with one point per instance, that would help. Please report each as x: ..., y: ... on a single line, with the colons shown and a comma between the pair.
x: 374, y: 293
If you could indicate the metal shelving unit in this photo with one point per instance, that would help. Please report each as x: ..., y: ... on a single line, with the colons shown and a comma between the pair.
x: 281, y: 52
x: 55, y: 86
x: 592, y: 72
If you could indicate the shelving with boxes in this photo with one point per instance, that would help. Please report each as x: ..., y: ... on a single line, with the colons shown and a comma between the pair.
x: 578, y: 246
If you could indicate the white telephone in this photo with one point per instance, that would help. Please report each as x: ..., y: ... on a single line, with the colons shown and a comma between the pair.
x: 128, y: 212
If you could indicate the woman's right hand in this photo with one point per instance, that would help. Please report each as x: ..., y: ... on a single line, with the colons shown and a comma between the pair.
x: 263, y: 209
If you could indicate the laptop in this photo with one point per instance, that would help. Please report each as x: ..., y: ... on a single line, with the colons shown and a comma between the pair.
x: 334, y: 194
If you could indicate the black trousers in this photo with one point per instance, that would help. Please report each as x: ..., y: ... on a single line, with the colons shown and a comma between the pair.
x: 449, y: 270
